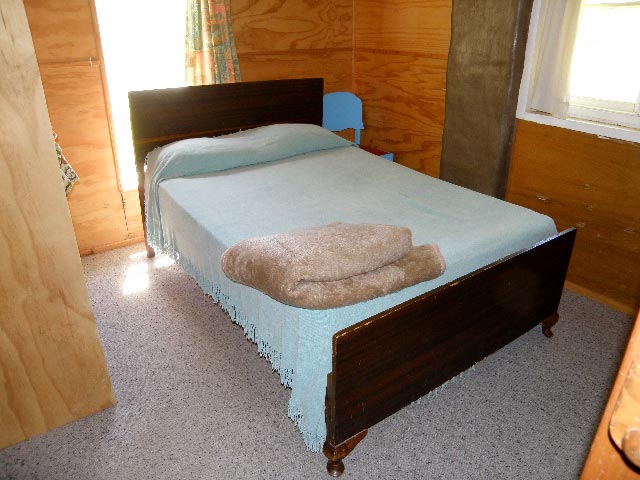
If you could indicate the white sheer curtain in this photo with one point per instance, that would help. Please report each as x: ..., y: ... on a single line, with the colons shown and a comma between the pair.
x: 555, y: 39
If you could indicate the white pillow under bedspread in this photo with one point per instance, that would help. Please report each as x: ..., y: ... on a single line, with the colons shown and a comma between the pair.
x: 204, y: 215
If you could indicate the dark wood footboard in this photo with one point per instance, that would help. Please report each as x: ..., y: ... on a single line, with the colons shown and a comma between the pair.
x: 388, y: 361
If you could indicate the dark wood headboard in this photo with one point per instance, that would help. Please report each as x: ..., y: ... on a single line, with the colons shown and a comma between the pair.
x: 163, y: 116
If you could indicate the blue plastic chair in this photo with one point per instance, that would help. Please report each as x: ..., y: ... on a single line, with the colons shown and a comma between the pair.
x: 341, y: 110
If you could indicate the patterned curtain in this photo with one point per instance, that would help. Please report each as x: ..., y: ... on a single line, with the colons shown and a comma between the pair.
x: 69, y: 176
x: 210, y: 51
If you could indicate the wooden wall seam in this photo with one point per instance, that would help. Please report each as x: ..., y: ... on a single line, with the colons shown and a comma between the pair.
x: 69, y: 56
x: 404, y: 51
x: 400, y: 61
x: 592, y: 183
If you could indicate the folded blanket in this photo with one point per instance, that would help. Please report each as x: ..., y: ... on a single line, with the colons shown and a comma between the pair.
x: 332, y: 265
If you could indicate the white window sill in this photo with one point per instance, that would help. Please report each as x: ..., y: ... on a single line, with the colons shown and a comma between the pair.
x: 619, y: 133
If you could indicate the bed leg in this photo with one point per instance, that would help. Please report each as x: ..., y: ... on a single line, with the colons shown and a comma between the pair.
x: 335, y: 453
x: 150, y: 251
x: 549, y: 322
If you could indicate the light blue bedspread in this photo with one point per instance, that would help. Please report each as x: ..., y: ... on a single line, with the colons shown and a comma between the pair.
x: 203, y: 215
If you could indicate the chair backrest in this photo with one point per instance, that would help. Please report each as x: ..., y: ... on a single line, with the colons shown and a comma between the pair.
x: 342, y: 110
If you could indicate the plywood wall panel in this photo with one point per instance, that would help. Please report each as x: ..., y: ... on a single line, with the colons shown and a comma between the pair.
x: 404, y: 25
x: 591, y: 183
x: 283, y: 25
x: 279, y: 39
x: 78, y: 112
x: 65, y: 37
x: 52, y: 369
x: 403, y: 101
x: 92, y: 164
x: 132, y: 214
x: 400, y: 64
x: 76, y: 104
x: 62, y: 30
x: 332, y: 65
x: 275, y: 39
x: 93, y: 229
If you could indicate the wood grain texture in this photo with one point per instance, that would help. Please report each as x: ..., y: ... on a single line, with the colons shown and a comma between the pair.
x: 133, y: 214
x: 625, y: 418
x: 403, y: 97
x: 431, y: 338
x: 593, y: 184
x: 400, y: 63
x: 604, y: 461
x: 162, y: 116
x: 286, y: 25
x: 78, y: 112
x: 411, y: 26
x: 52, y: 368
x: 62, y: 30
x: 286, y: 39
x: 65, y: 35
x: 332, y: 65
x: 276, y: 39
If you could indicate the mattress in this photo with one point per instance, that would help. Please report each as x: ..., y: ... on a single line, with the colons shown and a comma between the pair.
x: 203, y: 215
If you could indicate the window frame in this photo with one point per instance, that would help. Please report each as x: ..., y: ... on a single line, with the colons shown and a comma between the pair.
x: 623, y: 126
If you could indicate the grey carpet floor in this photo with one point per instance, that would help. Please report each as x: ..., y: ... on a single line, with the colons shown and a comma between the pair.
x: 195, y: 401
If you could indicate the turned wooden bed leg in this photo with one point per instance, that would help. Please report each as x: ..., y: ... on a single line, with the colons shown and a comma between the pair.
x: 549, y: 322
x: 150, y: 251
x: 335, y: 453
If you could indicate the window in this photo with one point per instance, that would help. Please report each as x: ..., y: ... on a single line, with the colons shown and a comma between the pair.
x: 143, y: 48
x: 600, y: 84
x: 605, y: 71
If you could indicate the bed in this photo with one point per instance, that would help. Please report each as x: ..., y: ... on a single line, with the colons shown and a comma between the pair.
x: 429, y: 333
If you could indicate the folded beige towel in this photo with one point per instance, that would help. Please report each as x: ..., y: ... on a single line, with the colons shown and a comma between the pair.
x: 332, y: 265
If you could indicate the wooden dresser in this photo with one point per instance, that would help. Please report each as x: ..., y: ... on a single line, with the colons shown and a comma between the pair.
x: 606, y: 460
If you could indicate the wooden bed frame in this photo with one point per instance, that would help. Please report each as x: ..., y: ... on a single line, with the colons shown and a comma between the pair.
x: 426, y: 340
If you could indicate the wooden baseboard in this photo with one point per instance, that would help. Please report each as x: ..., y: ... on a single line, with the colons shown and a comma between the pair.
x: 112, y: 246
x: 598, y: 297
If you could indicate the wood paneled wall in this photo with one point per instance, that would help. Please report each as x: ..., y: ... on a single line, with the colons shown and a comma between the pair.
x: 279, y: 39
x: 52, y: 368
x: 69, y: 56
x: 275, y: 39
x: 400, y: 63
x: 591, y: 183
x: 393, y: 54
